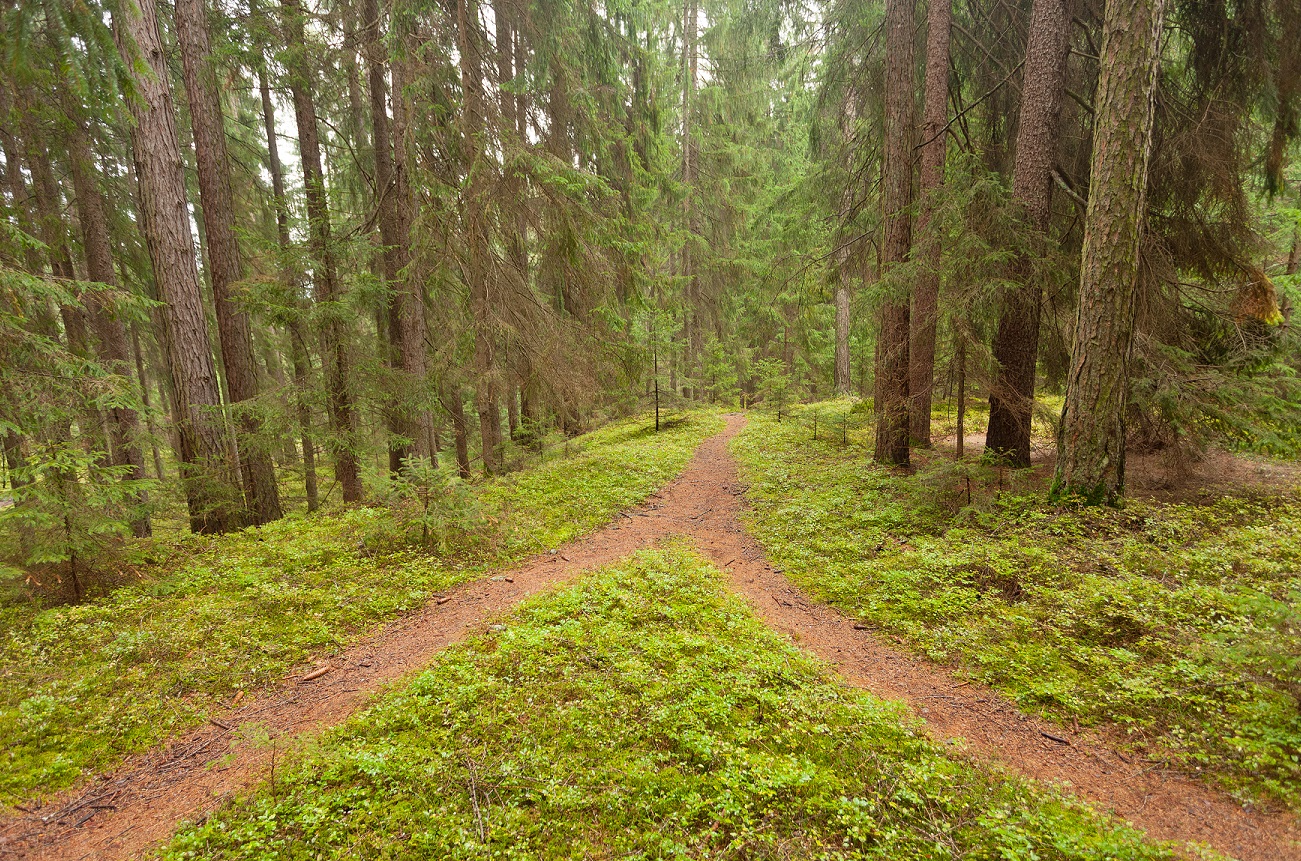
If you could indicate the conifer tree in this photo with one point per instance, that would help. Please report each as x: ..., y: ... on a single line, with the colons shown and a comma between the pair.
x: 212, y: 491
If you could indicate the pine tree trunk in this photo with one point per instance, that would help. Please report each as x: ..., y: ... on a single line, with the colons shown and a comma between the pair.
x: 393, y: 255
x: 691, y: 313
x: 273, y: 159
x: 15, y: 462
x: 124, y: 424
x: 356, y: 114
x: 225, y: 265
x: 841, y: 372
x: 302, y: 379
x: 1016, y: 343
x: 477, y: 247
x: 344, y: 438
x: 21, y: 201
x: 298, y: 345
x: 455, y: 406
x: 53, y: 233
x: 961, y: 359
x: 926, y: 293
x: 212, y: 489
x: 512, y: 411
x: 891, y: 398
x: 410, y: 297
x: 146, y: 399
x: 1091, y: 441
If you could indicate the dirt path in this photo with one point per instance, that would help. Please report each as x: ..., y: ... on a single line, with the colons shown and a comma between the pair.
x: 126, y: 813
x: 1167, y: 805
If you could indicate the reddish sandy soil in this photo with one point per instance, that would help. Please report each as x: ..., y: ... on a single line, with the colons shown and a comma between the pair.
x: 124, y: 814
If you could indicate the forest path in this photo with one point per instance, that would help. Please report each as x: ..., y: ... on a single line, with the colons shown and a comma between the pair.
x: 1165, y: 804
x: 126, y: 813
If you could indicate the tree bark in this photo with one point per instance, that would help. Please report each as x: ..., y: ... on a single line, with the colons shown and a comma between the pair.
x: 145, y: 398
x: 1016, y: 343
x: 344, y: 441
x: 212, y: 491
x: 891, y: 398
x: 393, y: 254
x: 124, y: 424
x: 54, y: 234
x: 21, y: 200
x: 1091, y: 441
x: 1294, y: 256
x: 299, y: 355
x: 406, y: 307
x: 691, y: 312
x: 926, y: 293
x: 477, y: 243
x: 843, y: 383
x: 961, y: 359
x: 455, y: 406
x: 225, y: 264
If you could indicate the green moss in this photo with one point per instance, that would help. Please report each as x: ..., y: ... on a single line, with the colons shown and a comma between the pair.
x: 80, y: 686
x: 643, y: 714
x: 1175, y: 622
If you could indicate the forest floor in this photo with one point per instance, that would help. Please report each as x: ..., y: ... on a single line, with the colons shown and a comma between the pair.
x: 266, y: 740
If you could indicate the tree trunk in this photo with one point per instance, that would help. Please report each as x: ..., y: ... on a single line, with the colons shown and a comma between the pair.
x: 891, y: 398
x: 21, y: 201
x: 1294, y: 256
x: 344, y: 439
x: 1091, y: 441
x: 925, y: 310
x: 1016, y: 343
x: 477, y: 244
x: 302, y: 378
x: 841, y: 373
x: 299, y: 354
x: 962, y: 394
x: 53, y: 233
x: 691, y: 311
x: 455, y: 406
x: 298, y: 345
x: 212, y: 491
x: 124, y: 424
x: 273, y: 159
x: 410, y: 297
x: 145, y: 398
x: 225, y: 265
x: 512, y: 410
x: 394, y: 255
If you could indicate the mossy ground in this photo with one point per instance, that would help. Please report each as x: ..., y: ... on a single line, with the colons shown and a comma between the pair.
x: 643, y: 713
x: 1175, y: 622
x: 80, y: 686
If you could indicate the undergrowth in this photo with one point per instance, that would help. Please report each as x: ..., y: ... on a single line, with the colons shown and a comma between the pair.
x: 1175, y: 623
x: 82, y: 685
x: 643, y: 714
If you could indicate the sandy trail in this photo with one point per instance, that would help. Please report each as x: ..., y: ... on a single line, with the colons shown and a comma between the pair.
x: 140, y: 805
x: 125, y: 813
x: 1165, y: 804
